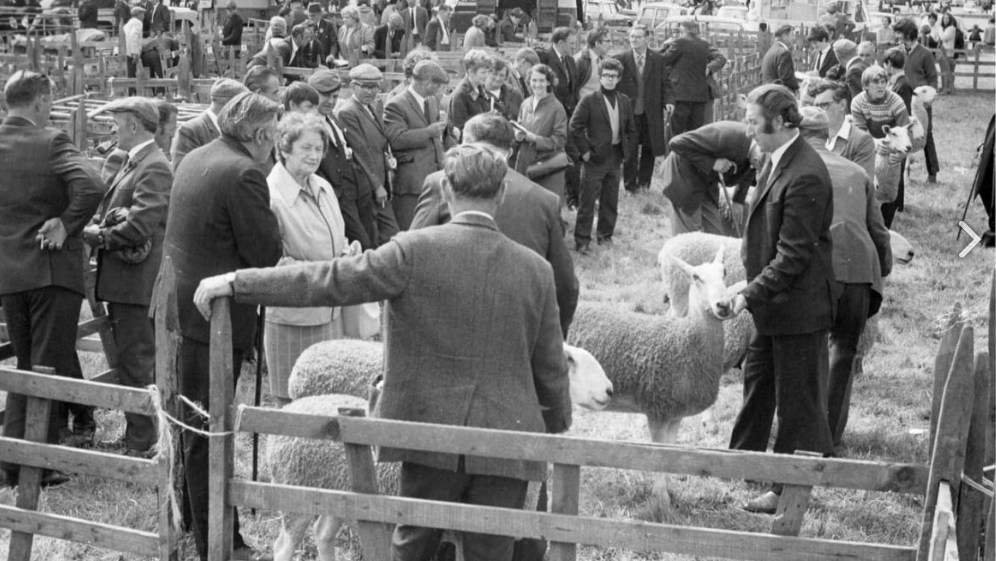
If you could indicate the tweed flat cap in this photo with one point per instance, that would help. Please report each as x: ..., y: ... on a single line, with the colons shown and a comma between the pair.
x: 325, y: 81
x: 366, y: 74
x: 142, y: 108
x: 137, y: 10
x: 314, y: 8
x: 227, y: 88
x: 430, y: 71
x: 845, y: 47
x: 814, y: 118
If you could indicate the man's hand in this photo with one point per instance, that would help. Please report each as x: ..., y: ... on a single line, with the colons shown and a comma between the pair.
x: 437, y: 128
x: 739, y: 304
x: 723, y: 165
x: 211, y: 288
x: 52, y: 234
x: 91, y: 235
x: 381, y: 195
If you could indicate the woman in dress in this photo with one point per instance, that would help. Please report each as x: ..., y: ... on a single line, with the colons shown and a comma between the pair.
x: 542, y: 130
x: 312, y: 230
x: 945, y: 52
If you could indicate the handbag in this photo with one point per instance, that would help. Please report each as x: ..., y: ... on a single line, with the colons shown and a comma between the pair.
x: 361, y: 321
x: 550, y: 165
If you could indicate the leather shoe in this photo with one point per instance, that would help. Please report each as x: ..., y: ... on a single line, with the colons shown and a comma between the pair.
x: 246, y: 553
x: 765, y: 504
x: 931, y: 178
x: 583, y: 249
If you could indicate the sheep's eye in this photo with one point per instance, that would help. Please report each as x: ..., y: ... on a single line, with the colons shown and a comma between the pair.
x: 696, y: 278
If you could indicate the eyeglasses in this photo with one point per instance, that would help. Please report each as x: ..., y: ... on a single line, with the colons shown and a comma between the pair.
x: 611, y: 76
x: 824, y: 106
x: 369, y: 87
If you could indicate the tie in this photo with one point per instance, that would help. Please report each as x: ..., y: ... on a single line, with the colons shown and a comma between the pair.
x: 123, y: 169
x: 425, y: 109
x: 639, y: 63
x: 414, y: 23
x: 762, y: 179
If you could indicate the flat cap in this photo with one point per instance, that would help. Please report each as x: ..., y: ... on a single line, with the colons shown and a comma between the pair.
x: 814, y: 118
x: 136, y: 10
x: 227, y: 88
x: 365, y: 74
x: 430, y: 71
x: 325, y: 81
x: 845, y: 46
x: 143, y: 108
x: 314, y: 8
x: 517, y: 13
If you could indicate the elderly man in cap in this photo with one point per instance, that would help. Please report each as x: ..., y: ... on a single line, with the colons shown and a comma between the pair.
x: 861, y: 257
x: 366, y: 134
x: 128, y: 234
x: 416, y: 131
x: 135, y: 45
x: 326, y: 32
x: 339, y: 168
x: 850, y: 66
x: 204, y: 128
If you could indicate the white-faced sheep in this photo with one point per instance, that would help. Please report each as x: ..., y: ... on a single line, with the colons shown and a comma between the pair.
x: 332, y: 367
x: 890, y: 152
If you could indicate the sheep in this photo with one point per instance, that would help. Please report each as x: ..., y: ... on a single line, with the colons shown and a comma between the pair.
x: 316, y: 463
x: 890, y: 152
x: 923, y: 98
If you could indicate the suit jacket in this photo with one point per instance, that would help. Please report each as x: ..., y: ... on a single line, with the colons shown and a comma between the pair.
x: 777, y: 65
x: 788, y: 256
x: 472, y: 336
x: 191, y: 135
x: 529, y: 215
x: 829, y: 61
x: 656, y: 92
x: 688, y: 175
x: 158, y: 18
x: 420, y: 23
x: 368, y: 138
x: 862, y: 251
x: 232, y: 32
x: 920, y: 67
x: 508, y: 102
x: 381, y: 50
x: 859, y: 148
x: 434, y: 36
x: 281, y: 48
x: 465, y: 103
x: 42, y: 175
x: 354, y: 45
x: 566, y: 90
x: 337, y: 168
x: 688, y: 58
x: 417, y: 152
x: 219, y: 221
x: 507, y: 31
x: 142, y: 186
x: 591, y: 129
x: 852, y: 75
x: 582, y: 61
x: 328, y: 37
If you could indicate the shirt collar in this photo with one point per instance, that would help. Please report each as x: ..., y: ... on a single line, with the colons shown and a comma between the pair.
x: 288, y: 188
x: 133, y: 153
x: 418, y: 99
x: 214, y: 119
x: 776, y: 156
x: 475, y: 213
x: 784, y: 46
x: 844, y: 133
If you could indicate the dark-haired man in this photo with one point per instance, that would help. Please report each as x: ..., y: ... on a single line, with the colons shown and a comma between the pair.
x: 458, y: 290
x: 777, y: 66
x: 790, y: 280
x: 921, y: 70
x: 560, y: 58
x: 688, y: 60
x: 819, y: 42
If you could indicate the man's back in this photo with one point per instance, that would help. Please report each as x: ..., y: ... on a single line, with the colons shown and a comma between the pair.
x: 777, y: 66
x: 191, y: 135
x: 688, y: 57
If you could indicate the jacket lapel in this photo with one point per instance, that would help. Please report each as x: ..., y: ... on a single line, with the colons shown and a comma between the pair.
x: 415, y: 108
x: 786, y: 158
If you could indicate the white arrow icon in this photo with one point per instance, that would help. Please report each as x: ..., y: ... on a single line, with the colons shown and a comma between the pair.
x: 975, y: 239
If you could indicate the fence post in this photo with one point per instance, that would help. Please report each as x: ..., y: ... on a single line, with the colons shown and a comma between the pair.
x: 36, y: 421
x: 166, y: 383
x: 970, y: 503
x: 942, y: 365
x: 222, y: 448
x: 565, y: 500
x: 374, y: 536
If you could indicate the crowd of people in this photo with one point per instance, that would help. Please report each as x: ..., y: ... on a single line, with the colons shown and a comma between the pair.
x: 315, y: 196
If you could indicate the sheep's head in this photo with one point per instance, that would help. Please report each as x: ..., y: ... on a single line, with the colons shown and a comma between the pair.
x: 902, y: 249
x: 897, y: 139
x: 925, y: 94
x: 590, y: 387
x: 707, y: 292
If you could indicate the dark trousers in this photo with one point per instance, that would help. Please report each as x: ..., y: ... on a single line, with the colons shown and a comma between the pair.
x: 42, y: 328
x: 930, y: 150
x: 784, y: 374
x: 135, y: 339
x: 404, y: 209
x: 889, y: 209
x: 687, y: 116
x: 413, y: 543
x: 195, y: 383
x: 387, y: 224
x: 572, y: 175
x: 599, y: 183
x: 639, y: 166
x: 849, y: 322
x: 359, y: 220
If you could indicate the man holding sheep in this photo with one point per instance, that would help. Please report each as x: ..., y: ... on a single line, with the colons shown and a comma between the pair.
x: 787, y: 257
x: 473, y: 339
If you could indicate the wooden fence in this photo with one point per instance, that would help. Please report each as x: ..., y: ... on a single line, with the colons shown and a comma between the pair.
x: 961, y: 409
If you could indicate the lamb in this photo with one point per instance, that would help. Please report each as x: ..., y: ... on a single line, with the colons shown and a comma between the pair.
x: 923, y: 98
x: 890, y: 152
x: 350, y: 365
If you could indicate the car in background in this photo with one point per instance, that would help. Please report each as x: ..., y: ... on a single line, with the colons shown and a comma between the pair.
x: 655, y: 13
x: 736, y: 11
x: 607, y: 12
x: 707, y: 25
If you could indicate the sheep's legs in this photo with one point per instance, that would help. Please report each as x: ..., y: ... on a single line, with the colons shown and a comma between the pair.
x: 663, y: 432
x: 292, y: 528
x: 326, y: 529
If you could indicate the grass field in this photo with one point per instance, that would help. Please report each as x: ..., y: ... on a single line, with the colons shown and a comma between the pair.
x: 890, y: 406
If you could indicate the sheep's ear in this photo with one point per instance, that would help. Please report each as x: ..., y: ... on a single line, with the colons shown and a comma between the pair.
x: 719, y: 254
x: 886, y: 129
x: 572, y: 364
x: 685, y: 267
x: 742, y: 101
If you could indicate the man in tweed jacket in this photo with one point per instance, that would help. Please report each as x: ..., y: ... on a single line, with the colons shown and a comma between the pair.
x: 472, y: 339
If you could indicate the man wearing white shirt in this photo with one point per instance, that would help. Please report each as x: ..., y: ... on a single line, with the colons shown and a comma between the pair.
x: 819, y: 42
x: 133, y: 41
x: 437, y: 32
x: 416, y: 19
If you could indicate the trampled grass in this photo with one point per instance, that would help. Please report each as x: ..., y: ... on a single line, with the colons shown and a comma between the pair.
x: 891, y: 400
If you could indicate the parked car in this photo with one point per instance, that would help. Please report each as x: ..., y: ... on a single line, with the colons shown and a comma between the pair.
x: 654, y: 13
x: 739, y: 12
x: 607, y: 12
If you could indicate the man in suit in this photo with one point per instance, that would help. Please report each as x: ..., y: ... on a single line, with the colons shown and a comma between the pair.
x: 600, y: 129
x: 48, y: 191
x: 416, y: 19
x: 921, y: 70
x: 588, y: 60
x: 529, y: 214
x: 416, y: 134
x: 306, y: 52
x: 844, y: 139
x: 219, y: 220
x: 819, y: 42
x: 518, y: 74
x: 128, y: 234
x: 438, y: 32
x: 560, y: 59
x: 365, y: 133
x: 645, y: 82
x: 157, y: 18
x: 231, y: 34
x: 203, y: 128
x: 472, y: 341
x: 850, y: 66
x: 264, y: 81
x: 687, y: 58
x: 339, y: 168
x: 389, y: 39
x: 777, y: 66
x: 787, y: 257
x: 693, y: 169
x: 324, y: 30
x: 862, y: 256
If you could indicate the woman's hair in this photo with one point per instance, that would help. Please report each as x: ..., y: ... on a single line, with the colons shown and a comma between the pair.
x: 873, y: 73
x: 350, y: 12
x: 480, y: 21
x: 475, y: 59
x: 245, y: 114
x: 547, y: 72
x: 949, y: 19
x: 293, y: 126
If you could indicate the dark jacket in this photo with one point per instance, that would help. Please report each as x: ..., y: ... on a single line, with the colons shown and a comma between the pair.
x: 777, y: 66
x: 232, y: 32
x: 688, y: 58
x: 42, y: 175
x: 381, y: 50
x: 656, y: 93
x: 566, y: 70
x: 368, y: 138
x: 434, y: 36
x: 327, y: 36
x: 688, y: 175
x: 465, y: 103
x: 591, y: 130
x: 829, y: 61
x: 219, y: 221
x: 192, y: 135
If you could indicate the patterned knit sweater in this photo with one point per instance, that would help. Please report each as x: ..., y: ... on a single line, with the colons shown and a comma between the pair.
x: 871, y: 115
